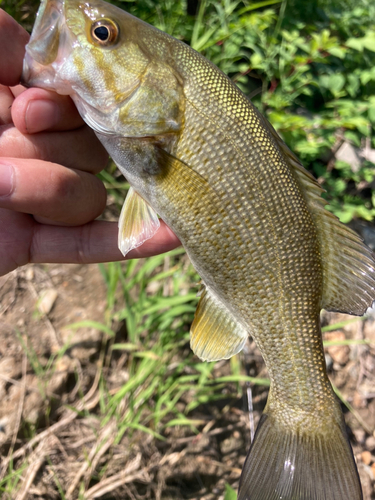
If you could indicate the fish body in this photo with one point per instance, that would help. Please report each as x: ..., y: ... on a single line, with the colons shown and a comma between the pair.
x: 199, y: 154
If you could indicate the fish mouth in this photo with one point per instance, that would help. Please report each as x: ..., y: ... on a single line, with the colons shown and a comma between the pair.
x: 49, y: 45
x: 43, y: 44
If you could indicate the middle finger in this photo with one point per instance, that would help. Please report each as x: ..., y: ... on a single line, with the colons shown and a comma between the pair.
x: 51, y: 192
x: 6, y: 101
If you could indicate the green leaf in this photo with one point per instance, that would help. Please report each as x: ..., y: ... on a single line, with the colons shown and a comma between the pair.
x: 185, y: 421
x: 334, y: 82
x: 147, y: 355
x: 258, y: 5
x: 243, y: 378
x: 230, y: 493
x: 256, y: 60
x: 371, y: 114
x: 369, y: 42
x: 125, y: 347
x: 355, y: 43
x: 367, y: 75
x: 330, y: 343
x: 366, y: 42
x: 147, y: 431
x: 91, y: 324
x: 353, y: 84
x: 337, y: 52
x: 340, y: 324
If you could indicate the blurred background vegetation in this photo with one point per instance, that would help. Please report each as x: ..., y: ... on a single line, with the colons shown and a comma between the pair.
x: 309, y: 66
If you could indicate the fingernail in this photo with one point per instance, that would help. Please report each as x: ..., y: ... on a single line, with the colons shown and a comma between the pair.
x: 6, y: 179
x: 41, y: 115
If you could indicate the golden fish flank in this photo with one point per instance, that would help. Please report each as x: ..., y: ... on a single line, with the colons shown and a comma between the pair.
x: 252, y: 220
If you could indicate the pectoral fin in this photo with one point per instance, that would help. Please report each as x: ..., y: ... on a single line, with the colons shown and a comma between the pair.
x: 214, y: 333
x: 138, y: 222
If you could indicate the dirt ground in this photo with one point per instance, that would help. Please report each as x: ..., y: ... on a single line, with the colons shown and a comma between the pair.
x: 47, y: 422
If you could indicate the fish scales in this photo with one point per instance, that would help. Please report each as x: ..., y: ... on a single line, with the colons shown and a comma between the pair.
x: 199, y: 154
x: 293, y: 262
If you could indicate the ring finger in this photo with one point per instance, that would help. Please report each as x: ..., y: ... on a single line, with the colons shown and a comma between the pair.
x: 52, y: 193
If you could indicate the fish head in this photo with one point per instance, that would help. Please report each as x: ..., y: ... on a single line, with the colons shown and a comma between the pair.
x: 113, y: 65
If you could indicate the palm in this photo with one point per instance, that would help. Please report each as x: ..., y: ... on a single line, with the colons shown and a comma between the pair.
x: 54, y: 158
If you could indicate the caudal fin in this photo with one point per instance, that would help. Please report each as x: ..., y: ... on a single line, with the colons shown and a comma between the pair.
x: 289, y: 465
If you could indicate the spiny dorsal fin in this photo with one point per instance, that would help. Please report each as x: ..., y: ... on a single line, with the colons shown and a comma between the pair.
x: 348, y: 264
x: 214, y: 333
x: 138, y: 222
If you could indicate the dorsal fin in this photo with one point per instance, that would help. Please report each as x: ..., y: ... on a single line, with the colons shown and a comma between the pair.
x: 215, y: 334
x: 348, y: 264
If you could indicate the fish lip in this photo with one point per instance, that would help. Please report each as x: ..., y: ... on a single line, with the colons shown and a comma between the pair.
x: 47, y: 48
x: 41, y: 50
x: 48, y: 24
x: 30, y: 71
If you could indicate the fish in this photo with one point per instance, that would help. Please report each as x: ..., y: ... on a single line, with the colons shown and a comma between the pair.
x: 197, y: 153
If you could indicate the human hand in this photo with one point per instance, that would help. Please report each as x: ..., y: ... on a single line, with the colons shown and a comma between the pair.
x: 49, y: 194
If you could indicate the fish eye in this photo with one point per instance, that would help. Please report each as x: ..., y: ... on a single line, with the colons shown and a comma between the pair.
x: 104, y: 32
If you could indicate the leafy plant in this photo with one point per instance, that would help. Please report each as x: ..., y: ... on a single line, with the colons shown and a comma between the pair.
x: 230, y: 493
x: 310, y: 70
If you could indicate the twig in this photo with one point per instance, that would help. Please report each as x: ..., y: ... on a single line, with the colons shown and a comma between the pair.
x: 107, y: 440
x: 104, y: 442
x: 3, y: 280
x: 110, y: 485
x: 79, y: 373
x: 251, y: 411
x: 113, y: 482
x: 80, y: 443
x: 18, y: 418
x: 95, y: 383
x: 36, y: 461
x: 129, y: 493
x: 172, y: 458
x: 355, y: 414
x: 214, y: 432
x: 39, y: 437
x: 55, y: 342
x: 218, y: 464
x: 168, y: 281
x: 72, y: 415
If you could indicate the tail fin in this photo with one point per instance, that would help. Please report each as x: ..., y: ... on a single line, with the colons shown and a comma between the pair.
x: 288, y: 465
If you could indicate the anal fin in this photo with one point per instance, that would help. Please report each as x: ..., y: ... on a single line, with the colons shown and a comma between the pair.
x: 138, y: 222
x: 215, y: 334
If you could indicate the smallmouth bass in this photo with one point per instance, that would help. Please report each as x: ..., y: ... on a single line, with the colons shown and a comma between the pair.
x: 252, y: 220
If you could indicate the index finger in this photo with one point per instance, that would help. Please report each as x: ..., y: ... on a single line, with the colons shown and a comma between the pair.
x: 36, y: 110
x: 33, y: 110
x: 13, y: 39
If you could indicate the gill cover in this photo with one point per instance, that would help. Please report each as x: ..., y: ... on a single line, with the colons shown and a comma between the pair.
x: 108, y: 61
